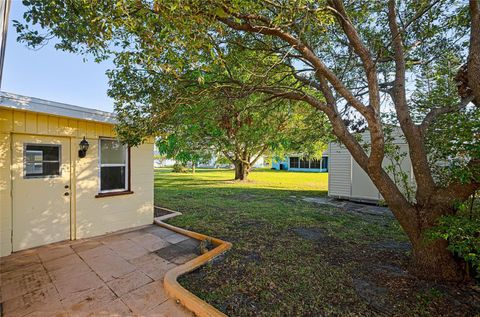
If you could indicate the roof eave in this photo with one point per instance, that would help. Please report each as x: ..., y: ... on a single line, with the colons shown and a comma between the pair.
x: 25, y: 103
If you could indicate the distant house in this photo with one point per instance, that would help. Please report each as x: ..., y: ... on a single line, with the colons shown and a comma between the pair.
x: 65, y: 176
x: 298, y: 163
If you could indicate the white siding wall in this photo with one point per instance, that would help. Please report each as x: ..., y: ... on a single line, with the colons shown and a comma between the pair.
x: 339, y: 171
x: 346, y: 178
x: 363, y: 188
x: 406, y: 167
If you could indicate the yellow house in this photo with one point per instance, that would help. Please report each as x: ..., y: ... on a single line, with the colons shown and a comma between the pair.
x: 63, y: 175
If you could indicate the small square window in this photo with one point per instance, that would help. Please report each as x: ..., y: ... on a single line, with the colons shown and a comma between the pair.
x: 42, y: 160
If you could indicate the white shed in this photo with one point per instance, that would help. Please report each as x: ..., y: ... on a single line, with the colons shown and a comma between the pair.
x: 347, y: 180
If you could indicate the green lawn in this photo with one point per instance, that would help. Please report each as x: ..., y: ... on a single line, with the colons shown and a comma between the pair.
x: 259, y: 179
x: 291, y: 257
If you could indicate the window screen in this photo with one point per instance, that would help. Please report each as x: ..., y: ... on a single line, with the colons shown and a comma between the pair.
x: 304, y: 163
x: 315, y: 163
x: 113, y: 165
x: 42, y: 160
x: 294, y: 162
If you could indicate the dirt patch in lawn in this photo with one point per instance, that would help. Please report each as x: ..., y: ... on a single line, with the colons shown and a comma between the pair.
x: 380, y: 277
x: 313, y: 234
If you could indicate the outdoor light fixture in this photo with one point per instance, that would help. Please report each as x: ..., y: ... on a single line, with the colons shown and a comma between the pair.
x: 83, y: 148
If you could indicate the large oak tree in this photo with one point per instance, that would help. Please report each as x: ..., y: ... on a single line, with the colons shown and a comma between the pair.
x: 203, y: 114
x: 241, y: 130
x: 347, y: 59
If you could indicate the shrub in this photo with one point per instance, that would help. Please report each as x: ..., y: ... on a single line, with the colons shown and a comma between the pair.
x: 462, y: 231
x: 179, y: 168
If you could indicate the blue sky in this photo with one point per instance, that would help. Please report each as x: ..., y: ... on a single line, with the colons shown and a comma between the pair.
x: 51, y: 74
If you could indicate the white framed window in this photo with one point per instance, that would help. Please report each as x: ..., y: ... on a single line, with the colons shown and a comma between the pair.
x: 114, y: 168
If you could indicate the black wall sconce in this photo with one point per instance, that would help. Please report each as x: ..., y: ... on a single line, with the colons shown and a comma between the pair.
x: 83, y: 148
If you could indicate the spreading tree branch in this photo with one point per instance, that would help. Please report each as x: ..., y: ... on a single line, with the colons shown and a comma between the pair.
x: 361, y: 50
x: 436, y: 112
x: 415, y: 140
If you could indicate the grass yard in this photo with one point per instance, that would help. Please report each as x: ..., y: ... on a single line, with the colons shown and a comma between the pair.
x: 292, y: 257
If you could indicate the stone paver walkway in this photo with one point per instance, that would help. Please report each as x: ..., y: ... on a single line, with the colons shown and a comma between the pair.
x: 119, y: 274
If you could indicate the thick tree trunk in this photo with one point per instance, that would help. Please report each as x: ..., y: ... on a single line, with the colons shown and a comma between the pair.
x: 430, y: 258
x: 432, y: 261
x: 242, y: 170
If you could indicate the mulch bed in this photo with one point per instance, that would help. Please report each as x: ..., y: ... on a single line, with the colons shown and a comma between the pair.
x: 159, y: 212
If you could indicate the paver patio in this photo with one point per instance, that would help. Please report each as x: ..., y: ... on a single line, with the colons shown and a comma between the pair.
x: 119, y: 274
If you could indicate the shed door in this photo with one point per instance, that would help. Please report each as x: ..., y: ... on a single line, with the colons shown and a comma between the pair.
x: 40, y: 190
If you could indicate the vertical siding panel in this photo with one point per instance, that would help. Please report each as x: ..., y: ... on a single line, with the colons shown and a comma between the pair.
x: 53, y: 125
x: 91, y: 132
x: 113, y: 133
x: 31, y: 122
x: 19, y: 121
x: 73, y: 127
x: 5, y: 198
x: 63, y: 126
x: 107, y: 130
x: 6, y: 120
x: 42, y: 124
x: 339, y: 171
x: 99, y: 129
x: 82, y: 129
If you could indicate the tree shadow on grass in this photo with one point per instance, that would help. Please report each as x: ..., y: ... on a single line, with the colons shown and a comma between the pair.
x: 294, y: 257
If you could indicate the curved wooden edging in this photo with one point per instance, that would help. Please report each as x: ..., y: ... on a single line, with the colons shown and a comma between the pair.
x: 193, y: 303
